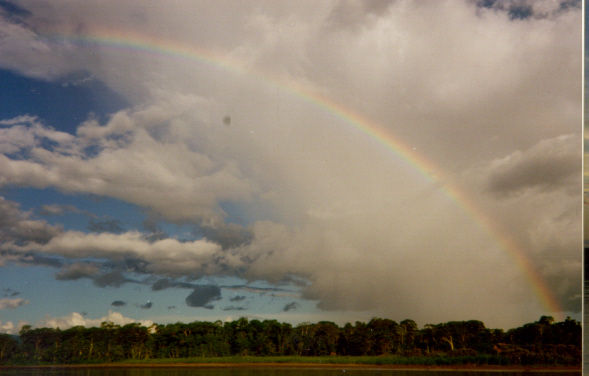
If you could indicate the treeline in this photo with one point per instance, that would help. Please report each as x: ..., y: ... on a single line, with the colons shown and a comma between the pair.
x: 541, y: 342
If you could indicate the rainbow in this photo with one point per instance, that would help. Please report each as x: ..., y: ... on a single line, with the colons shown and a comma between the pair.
x: 152, y: 45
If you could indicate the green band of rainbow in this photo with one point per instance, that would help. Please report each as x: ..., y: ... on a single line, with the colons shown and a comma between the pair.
x: 152, y: 45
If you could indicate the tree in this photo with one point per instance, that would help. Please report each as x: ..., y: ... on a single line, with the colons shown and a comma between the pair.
x: 383, y: 333
x: 8, y: 347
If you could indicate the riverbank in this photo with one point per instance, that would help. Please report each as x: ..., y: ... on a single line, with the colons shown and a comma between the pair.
x: 343, y: 366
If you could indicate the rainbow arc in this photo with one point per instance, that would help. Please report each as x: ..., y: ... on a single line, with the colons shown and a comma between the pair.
x: 137, y: 42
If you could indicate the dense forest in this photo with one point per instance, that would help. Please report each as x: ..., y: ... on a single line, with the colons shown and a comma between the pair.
x: 541, y: 342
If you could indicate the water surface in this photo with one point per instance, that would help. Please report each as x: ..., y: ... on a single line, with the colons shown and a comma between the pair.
x: 257, y: 372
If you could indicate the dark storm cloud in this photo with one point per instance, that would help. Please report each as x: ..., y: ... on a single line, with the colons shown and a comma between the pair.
x: 77, y: 271
x: 547, y: 166
x: 118, y: 303
x: 201, y: 296
x: 109, y: 225
x: 290, y: 307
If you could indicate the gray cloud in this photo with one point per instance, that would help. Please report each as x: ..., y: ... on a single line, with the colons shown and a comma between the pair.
x: 77, y: 271
x: 147, y: 305
x: 351, y: 14
x: 109, y: 225
x: 166, y: 283
x: 292, y: 306
x: 549, y: 165
x: 201, y: 296
x: 113, y: 278
x: 162, y: 284
x: 237, y: 298
x: 118, y: 303
x: 18, y: 226
x: 8, y: 292
x: 234, y: 308
x: 228, y: 236
x: 150, y: 224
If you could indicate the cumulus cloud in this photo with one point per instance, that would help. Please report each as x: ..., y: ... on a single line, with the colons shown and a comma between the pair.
x: 168, y: 256
x: 124, y: 146
x: 6, y: 303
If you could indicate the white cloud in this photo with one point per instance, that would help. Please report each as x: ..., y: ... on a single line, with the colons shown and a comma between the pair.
x: 77, y: 319
x: 167, y: 256
x: 9, y: 327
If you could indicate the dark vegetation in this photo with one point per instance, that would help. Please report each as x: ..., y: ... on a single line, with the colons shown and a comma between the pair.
x: 544, y: 342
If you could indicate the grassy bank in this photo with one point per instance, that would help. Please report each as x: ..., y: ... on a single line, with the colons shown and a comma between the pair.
x: 368, y: 360
x: 387, y: 361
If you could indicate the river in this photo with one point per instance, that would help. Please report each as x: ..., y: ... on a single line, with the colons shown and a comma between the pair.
x: 139, y: 371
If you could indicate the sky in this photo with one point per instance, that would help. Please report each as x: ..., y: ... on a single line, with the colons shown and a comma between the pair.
x: 299, y: 161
